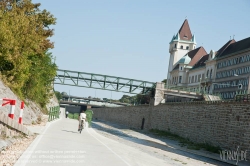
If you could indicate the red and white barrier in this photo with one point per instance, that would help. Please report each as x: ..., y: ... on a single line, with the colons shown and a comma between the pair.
x: 21, y: 113
x: 12, y: 106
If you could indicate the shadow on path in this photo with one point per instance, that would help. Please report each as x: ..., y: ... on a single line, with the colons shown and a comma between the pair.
x: 115, y: 130
x: 70, y: 131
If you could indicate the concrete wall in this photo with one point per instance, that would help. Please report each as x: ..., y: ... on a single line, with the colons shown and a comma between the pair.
x: 6, y: 123
x: 224, y: 124
x: 73, y: 109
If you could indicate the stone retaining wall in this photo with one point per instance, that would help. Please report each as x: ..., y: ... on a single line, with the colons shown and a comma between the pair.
x: 7, y: 123
x: 224, y: 124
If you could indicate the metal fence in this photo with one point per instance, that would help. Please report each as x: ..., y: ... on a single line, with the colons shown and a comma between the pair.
x: 244, y: 97
x: 54, y: 113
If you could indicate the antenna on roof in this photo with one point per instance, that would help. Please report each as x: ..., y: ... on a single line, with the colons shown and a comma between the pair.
x: 233, y: 37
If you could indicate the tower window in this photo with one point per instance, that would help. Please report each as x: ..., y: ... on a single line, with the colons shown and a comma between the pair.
x: 175, y: 46
x: 181, y: 68
x: 180, y: 77
x: 187, y: 48
x: 181, y: 47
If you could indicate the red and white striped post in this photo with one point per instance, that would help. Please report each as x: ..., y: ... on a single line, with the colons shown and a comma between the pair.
x: 21, y: 113
x: 12, y: 108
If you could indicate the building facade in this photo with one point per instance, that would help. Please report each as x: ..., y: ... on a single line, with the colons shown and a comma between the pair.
x: 233, y: 69
x: 223, y: 71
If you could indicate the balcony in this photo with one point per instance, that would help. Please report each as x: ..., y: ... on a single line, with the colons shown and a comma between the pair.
x: 206, y: 81
x: 172, y: 49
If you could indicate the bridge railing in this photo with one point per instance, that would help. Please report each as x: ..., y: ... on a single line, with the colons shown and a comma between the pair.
x: 54, y: 113
x: 208, y: 95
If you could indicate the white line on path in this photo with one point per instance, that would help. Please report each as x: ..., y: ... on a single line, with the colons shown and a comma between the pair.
x: 23, y: 160
x: 109, y: 149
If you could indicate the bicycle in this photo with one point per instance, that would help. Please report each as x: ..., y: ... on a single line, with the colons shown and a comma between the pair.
x: 81, y: 126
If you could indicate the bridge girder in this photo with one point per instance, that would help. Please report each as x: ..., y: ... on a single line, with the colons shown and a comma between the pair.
x: 103, y: 82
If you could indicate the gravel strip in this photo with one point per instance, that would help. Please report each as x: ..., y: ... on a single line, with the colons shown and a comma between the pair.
x: 10, y: 154
x: 151, y: 144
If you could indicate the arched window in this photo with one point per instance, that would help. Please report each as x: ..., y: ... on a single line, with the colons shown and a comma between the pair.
x: 181, y: 47
x: 181, y: 67
x: 175, y: 46
x: 207, y: 73
x: 187, y: 48
x: 211, y: 73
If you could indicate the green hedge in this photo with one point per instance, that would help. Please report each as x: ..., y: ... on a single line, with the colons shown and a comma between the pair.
x: 73, y: 116
x: 89, y: 114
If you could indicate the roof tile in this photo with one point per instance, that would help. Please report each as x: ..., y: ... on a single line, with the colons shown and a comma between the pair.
x: 185, y: 32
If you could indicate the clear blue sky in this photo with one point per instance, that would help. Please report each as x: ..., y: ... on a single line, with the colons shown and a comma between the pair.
x: 131, y: 38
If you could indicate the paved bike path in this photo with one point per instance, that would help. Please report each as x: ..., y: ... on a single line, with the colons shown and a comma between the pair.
x: 61, y: 144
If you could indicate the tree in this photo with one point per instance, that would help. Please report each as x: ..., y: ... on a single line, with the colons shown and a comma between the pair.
x: 26, y: 64
x: 125, y: 99
x: 58, y: 95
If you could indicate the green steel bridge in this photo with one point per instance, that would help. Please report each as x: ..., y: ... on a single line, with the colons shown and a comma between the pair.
x: 104, y: 82
x: 125, y: 85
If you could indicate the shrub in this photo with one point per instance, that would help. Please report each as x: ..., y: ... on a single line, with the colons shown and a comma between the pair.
x: 89, y: 114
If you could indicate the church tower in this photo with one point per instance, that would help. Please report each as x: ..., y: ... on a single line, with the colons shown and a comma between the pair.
x: 180, y: 45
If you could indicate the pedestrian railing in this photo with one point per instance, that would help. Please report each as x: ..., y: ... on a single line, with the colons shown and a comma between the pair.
x: 54, y: 113
x: 244, y: 97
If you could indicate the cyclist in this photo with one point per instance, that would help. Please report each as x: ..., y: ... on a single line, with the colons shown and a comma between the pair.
x: 82, y: 118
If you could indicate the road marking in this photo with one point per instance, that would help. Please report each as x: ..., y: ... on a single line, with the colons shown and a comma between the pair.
x: 109, y: 149
x: 23, y: 160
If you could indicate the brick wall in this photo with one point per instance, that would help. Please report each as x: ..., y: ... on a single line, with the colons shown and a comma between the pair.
x: 224, y: 124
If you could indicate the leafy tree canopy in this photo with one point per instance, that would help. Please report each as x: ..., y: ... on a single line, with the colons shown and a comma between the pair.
x: 26, y: 64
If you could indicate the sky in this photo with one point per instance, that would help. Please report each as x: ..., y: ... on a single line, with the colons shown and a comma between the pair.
x: 130, y: 38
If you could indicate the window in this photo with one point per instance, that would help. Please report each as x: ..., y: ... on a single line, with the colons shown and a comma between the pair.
x: 196, y: 78
x: 211, y: 73
x: 175, y: 46
x: 230, y: 62
x: 241, y: 59
x: 192, y: 79
x: 247, y: 58
x: 237, y: 60
x: 180, y: 79
x: 181, y: 67
x: 199, y: 77
x: 187, y: 48
x: 181, y: 47
x: 207, y: 73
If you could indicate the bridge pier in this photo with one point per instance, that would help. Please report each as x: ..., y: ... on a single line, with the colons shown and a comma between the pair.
x: 159, y: 93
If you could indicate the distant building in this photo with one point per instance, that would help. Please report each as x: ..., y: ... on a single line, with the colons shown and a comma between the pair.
x: 214, y: 72
x: 233, y: 68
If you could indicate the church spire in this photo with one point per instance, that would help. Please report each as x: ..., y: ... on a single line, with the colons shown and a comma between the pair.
x: 185, y: 32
